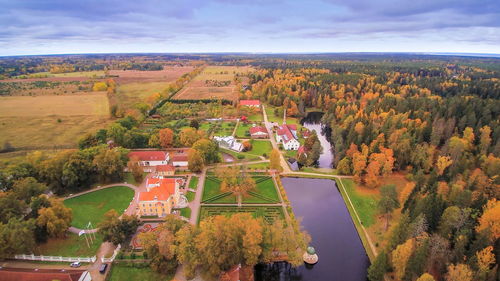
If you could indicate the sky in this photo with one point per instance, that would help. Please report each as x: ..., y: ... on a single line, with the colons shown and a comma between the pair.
x: 29, y: 27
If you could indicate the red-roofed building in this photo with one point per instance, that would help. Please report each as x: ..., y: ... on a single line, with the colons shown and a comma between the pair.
x: 25, y: 274
x: 161, y: 196
x: 165, y: 170
x: 250, y: 103
x: 258, y: 132
x: 180, y: 160
x: 287, y: 136
x: 150, y: 158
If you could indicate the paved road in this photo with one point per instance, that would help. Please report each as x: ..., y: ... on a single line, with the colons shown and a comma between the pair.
x: 283, y: 162
x: 195, y: 204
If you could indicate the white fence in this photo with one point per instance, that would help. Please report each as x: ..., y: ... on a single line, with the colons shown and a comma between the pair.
x: 112, y: 258
x: 55, y: 258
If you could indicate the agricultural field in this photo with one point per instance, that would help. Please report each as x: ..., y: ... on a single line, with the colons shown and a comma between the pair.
x: 39, y: 88
x: 130, y: 94
x: 65, y: 105
x: 168, y: 74
x: 46, y: 122
x: 92, y: 206
x: 215, y: 82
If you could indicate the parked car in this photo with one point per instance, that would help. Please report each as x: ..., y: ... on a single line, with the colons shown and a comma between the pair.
x: 76, y: 264
x: 103, y: 268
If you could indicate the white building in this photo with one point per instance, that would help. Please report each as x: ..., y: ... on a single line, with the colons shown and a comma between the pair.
x: 229, y: 143
x: 150, y: 157
x: 287, y: 136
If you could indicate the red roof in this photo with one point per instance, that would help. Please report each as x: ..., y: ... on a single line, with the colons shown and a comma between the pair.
x: 180, y: 158
x: 148, y: 155
x: 257, y: 129
x: 165, y: 168
x: 19, y: 274
x: 250, y: 102
x: 285, y: 133
x: 161, y: 192
x: 292, y: 127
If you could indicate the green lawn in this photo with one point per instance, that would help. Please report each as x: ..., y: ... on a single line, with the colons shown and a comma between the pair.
x: 212, y: 190
x: 93, y: 205
x: 190, y: 196
x: 72, y: 246
x: 259, y: 166
x: 129, y: 178
x: 122, y: 272
x: 242, y: 130
x: 270, y: 115
x: 290, y: 153
x: 256, y: 117
x: 186, y: 212
x: 246, y: 156
x: 265, y: 192
x: 193, y: 183
x: 366, y: 205
x: 259, y: 147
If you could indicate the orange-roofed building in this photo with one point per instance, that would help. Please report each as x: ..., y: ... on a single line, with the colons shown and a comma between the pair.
x: 160, y: 197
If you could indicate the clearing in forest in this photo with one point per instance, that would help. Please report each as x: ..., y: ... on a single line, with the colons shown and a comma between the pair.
x: 214, y: 82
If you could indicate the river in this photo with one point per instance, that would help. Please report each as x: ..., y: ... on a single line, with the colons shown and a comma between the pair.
x: 325, y: 217
x: 313, y: 122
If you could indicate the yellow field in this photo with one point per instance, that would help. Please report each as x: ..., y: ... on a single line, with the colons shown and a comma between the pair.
x: 95, y: 104
x: 131, y: 93
x: 222, y: 73
x: 45, y: 122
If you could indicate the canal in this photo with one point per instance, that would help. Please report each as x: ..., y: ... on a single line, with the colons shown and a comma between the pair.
x: 313, y: 122
x: 325, y: 217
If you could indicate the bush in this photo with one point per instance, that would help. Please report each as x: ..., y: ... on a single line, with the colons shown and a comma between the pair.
x: 264, y: 154
x: 145, y: 255
x: 132, y: 256
x: 240, y: 156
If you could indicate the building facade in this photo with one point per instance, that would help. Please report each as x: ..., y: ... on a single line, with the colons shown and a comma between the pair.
x: 161, y: 196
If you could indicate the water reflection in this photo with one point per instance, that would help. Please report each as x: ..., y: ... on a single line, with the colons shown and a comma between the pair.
x: 313, y: 122
x: 326, y: 218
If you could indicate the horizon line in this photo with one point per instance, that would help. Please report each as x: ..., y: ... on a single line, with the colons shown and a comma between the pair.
x: 463, y: 54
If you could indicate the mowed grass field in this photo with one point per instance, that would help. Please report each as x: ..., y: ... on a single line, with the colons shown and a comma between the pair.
x: 92, y: 206
x: 121, y: 272
x: 45, y: 122
x: 70, y: 246
x: 198, y: 89
x: 65, y: 105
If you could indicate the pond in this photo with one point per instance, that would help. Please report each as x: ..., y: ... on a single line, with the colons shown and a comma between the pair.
x: 326, y: 218
x: 313, y: 122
